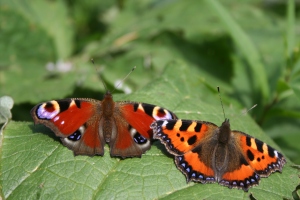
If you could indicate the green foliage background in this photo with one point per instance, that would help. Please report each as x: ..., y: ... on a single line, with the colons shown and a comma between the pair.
x: 183, y: 50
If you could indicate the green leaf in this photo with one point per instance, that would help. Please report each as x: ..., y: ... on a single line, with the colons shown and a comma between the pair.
x: 44, y: 86
x: 32, y: 35
x: 290, y: 32
x: 34, y: 163
x: 18, y: 38
x: 49, y: 16
x: 246, y: 47
x: 146, y: 19
x: 295, y: 85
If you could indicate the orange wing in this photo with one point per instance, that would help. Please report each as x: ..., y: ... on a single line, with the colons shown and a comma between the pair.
x: 187, y: 140
x: 263, y: 158
x: 181, y: 136
x: 259, y: 160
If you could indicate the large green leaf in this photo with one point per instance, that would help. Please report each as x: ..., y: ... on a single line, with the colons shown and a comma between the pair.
x: 35, y: 21
x: 201, y: 24
x: 246, y: 47
x: 34, y: 164
x: 33, y: 35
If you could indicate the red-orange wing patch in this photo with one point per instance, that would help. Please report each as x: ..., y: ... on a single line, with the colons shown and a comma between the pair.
x: 126, y: 141
x: 65, y: 116
x: 194, y: 168
x: 141, y: 115
x: 262, y: 158
x: 259, y: 160
x: 243, y: 178
x: 132, y: 121
x: 91, y: 142
x: 181, y: 136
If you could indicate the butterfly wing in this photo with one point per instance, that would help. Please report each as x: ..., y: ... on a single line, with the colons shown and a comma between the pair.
x: 192, y: 143
x: 75, y: 121
x: 257, y: 160
x: 263, y: 158
x: 132, y: 134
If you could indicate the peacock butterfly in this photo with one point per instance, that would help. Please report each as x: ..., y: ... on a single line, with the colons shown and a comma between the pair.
x: 85, y: 125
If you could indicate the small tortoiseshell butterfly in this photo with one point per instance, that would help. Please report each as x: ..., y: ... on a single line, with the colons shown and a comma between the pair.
x: 85, y: 125
x: 207, y: 153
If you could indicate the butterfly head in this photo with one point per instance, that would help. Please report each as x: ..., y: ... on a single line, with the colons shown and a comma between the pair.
x: 107, y: 93
x: 224, y: 132
x: 226, y: 123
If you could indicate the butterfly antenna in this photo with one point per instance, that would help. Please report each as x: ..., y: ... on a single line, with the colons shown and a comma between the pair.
x: 97, y: 70
x: 221, y: 101
x: 124, y: 78
x: 249, y: 109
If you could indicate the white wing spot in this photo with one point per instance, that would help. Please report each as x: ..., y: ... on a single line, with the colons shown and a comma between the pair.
x: 56, y: 118
x: 276, y: 153
x: 165, y: 123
